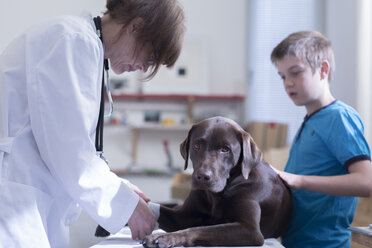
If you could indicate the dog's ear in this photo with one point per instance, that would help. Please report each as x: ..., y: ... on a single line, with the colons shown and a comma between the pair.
x: 184, y: 149
x: 251, y: 154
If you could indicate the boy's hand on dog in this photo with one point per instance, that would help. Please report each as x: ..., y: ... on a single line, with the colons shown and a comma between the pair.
x: 291, y: 180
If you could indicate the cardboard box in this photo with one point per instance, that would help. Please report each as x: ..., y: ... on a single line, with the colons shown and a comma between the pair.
x: 268, y: 134
x: 181, y: 186
x: 277, y: 157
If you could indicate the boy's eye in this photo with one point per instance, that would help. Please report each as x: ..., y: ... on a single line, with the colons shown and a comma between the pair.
x: 281, y: 76
x: 295, y: 73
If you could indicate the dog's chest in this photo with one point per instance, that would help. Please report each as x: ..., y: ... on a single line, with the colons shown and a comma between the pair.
x: 217, y: 209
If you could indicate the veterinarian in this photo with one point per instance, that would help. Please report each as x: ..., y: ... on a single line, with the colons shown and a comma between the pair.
x: 50, y: 94
x: 329, y: 164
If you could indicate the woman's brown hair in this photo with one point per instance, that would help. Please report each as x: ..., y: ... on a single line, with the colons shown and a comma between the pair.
x: 162, y: 27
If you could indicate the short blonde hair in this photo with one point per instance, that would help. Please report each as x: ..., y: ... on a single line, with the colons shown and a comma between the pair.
x: 309, y: 46
x: 163, y: 27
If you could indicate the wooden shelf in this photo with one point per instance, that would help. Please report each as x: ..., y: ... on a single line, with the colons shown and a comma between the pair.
x: 152, y: 127
x: 190, y: 99
x: 178, y: 97
x: 188, y: 102
x: 155, y: 126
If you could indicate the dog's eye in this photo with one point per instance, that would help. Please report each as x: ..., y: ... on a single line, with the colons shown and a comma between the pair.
x: 197, y: 146
x: 225, y: 149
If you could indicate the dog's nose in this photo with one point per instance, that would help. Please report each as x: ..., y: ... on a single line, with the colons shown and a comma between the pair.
x: 204, y: 176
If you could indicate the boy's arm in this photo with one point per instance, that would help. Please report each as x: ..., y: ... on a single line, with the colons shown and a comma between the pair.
x: 357, y: 183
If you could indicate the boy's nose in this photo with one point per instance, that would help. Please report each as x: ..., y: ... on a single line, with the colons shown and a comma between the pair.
x: 288, y: 83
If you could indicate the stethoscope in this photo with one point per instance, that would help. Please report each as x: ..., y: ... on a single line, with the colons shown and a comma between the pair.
x: 100, y: 123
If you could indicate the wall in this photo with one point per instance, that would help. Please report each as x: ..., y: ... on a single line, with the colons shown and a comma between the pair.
x: 348, y: 26
x: 17, y: 15
x: 364, y: 73
x: 221, y: 24
x: 269, y: 22
x: 340, y: 29
x: 218, y: 22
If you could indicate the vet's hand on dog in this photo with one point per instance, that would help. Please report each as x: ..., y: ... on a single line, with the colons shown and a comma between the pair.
x: 142, y: 222
x: 143, y: 219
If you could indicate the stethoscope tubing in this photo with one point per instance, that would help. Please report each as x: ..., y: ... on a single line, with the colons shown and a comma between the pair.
x: 108, y: 92
x: 106, y: 83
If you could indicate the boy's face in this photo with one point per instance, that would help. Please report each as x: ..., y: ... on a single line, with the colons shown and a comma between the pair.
x: 302, y: 85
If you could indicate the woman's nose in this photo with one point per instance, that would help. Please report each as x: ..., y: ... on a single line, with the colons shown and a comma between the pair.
x: 143, y: 68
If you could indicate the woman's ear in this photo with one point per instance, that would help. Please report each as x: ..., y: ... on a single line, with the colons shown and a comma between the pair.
x: 135, y: 24
x: 324, y: 69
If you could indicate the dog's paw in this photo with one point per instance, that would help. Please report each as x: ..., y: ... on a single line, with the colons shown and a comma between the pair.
x: 101, y: 232
x: 162, y: 240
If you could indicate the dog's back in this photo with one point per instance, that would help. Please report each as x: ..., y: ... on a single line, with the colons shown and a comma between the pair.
x: 275, y: 200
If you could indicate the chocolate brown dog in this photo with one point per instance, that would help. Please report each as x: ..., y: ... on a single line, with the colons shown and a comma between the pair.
x: 236, y: 200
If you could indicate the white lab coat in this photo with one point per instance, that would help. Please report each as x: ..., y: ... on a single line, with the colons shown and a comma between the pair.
x: 50, y: 84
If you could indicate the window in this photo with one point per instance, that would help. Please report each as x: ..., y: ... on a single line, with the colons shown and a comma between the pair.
x: 269, y: 22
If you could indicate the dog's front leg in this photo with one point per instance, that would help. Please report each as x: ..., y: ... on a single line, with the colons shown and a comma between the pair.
x: 194, y: 212
x: 231, y: 234
x: 243, y: 231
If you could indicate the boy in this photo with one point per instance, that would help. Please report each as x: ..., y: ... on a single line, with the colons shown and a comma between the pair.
x: 329, y: 163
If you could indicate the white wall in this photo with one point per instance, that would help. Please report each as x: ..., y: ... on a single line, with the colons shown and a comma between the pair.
x: 364, y: 62
x: 17, y: 15
x: 270, y: 21
x: 341, y: 30
x: 349, y: 27
x: 219, y: 22
x: 222, y: 24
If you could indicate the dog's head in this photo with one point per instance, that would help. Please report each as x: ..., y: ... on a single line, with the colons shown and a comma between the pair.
x: 215, y: 146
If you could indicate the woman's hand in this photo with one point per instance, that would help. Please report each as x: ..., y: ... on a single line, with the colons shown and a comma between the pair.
x: 142, y: 221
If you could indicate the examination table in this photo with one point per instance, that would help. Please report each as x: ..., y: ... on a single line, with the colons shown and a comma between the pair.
x: 123, y: 240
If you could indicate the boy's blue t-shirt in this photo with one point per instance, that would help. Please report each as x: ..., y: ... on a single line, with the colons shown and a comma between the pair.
x: 327, y: 142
